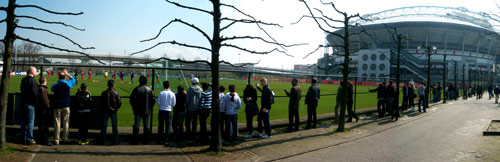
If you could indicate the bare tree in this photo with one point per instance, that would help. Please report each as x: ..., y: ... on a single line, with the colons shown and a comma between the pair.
x: 330, y: 25
x: 397, y: 38
x: 11, y: 22
x: 218, y: 41
x: 28, y: 50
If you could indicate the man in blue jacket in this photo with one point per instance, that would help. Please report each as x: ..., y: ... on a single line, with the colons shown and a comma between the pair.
x: 61, y: 91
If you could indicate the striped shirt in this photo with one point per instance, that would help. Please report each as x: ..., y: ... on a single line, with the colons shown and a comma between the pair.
x: 206, y: 99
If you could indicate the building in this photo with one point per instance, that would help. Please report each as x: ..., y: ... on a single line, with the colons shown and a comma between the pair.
x: 467, y: 39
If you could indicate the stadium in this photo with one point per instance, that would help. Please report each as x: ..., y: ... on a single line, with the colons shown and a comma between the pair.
x: 468, y: 39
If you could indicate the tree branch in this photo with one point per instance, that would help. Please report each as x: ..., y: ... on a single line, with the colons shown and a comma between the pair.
x: 250, y: 21
x: 1, y: 21
x: 259, y: 38
x: 57, y: 34
x: 237, y: 66
x: 57, y: 48
x: 48, y: 11
x: 324, y: 20
x: 50, y: 22
x: 174, y: 43
x: 335, y: 8
x: 255, y: 52
x: 312, y: 16
x: 331, y: 19
x: 188, y: 7
x: 3, y: 8
x: 310, y: 53
x: 179, y: 60
x: 183, y: 22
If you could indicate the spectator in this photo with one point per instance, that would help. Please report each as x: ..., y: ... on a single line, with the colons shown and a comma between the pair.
x: 142, y: 101
x: 350, y: 100
x: 179, y: 113
x: 231, y: 103
x: 490, y: 92
x: 110, y: 103
x: 251, y: 108
x: 406, y: 96
x: 497, y: 93
x: 312, y: 99
x: 29, y: 96
x: 43, y: 108
x: 337, y: 103
x: 389, y: 91
x: 421, y: 97
x: 293, y: 106
x: 381, y: 99
x: 83, y: 107
x: 166, y: 100
x: 412, y: 96
x: 61, y: 91
x: 267, y: 99
x: 222, y: 115
x: 192, y: 106
x: 205, y: 107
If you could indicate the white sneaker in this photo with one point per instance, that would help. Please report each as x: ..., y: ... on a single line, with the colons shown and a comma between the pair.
x: 248, y: 136
x: 265, y: 136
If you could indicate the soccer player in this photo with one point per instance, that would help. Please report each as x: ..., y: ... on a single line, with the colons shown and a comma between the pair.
x: 83, y: 73
x: 106, y: 75
x: 114, y: 75
x: 90, y: 75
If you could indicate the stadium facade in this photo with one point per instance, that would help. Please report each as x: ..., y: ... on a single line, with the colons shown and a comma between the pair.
x: 468, y: 39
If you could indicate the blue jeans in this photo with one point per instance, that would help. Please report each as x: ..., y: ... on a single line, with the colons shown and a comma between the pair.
x: 232, y: 126
x: 27, y: 120
x: 114, y: 123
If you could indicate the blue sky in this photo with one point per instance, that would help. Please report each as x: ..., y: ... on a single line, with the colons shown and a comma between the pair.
x: 116, y: 27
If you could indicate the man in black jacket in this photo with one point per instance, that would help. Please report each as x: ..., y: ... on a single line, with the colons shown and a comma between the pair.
x: 142, y: 102
x: 389, y: 91
x: 381, y: 99
x: 110, y: 103
x: 266, y: 101
x: 350, y: 102
x: 312, y: 99
x: 293, y: 106
x: 29, y: 97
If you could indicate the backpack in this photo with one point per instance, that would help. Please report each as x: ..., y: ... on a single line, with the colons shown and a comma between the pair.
x: 272, y: 97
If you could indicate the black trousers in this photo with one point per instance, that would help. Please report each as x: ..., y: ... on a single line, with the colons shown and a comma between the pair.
x: 146, y: 128
x: 178, y: 125
x: 351, y: 113
x: 204, y: 113
x: 249, y: 117
x: 311, y: 115
x: 83, y: 128
x: 164, y: 118
x: 263, y: 118
x: 191, y: 120
x: 293, y: 115
x: 381, y: 107
x: 405, y: 102
x: 222, y: 123
x: 45, y: 120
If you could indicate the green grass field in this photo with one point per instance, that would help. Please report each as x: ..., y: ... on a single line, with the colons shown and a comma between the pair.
x: 279, y: 109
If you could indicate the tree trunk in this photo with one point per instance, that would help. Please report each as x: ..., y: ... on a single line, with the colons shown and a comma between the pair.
x: 7, y: 58
x: 343, y: 95
x: 215, y: 144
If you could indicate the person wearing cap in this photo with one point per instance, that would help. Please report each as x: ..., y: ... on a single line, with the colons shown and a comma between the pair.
x: 193, y: 97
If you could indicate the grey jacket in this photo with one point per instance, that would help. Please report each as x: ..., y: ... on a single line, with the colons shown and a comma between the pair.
x: 193, y: 98
x: 421, y: 90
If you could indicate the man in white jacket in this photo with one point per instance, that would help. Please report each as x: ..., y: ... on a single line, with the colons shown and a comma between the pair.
x: 166, y: 101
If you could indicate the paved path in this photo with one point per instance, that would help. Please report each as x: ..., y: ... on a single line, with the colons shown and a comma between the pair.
x: 450, y: 132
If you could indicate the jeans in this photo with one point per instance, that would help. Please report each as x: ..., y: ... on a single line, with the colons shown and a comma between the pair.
x: 422, y: 100
x: 263, y: 118
x: 164, y: 123
x: 311, y: 115
x: 232, y: 127
x: 83, y: 128
x: 381, y: 107
x: 178, y: 125
x: 27, y: 122
x: 61, y: 116
x: 191, y: 120
x: 204, y: 113
x: 137, y: 124
x: 293, y: 113
x: 249, y: 117
x: 114, y: 123
x: 222, y: 124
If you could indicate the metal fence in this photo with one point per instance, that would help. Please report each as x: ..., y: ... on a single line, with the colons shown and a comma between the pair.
x: 126, y: 79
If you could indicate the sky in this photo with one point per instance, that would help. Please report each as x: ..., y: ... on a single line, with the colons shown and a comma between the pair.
x: 117, y: 27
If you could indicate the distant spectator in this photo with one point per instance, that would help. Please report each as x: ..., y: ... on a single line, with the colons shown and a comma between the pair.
x: 192, y: 106
x: 497, y: 93
x: 83, y: 107
x: 350, y: 112
x: 205, y: 107
x: 293, y: 106
x: 412, y: 96
x: 231, y: 103
x: 421, y: 97
x: 251, y: 108
x: 222, y: 115
x: 381, y: 99
x: 142, y: 101
x: 166, y: 101
x: 179, y: 113
x: 110, y: 103
x: 312, y: 99
x: 389, y: 91
x: 43, y: 113
x: 267, y: 99
x: 29, y: 97
x: 61, y: 91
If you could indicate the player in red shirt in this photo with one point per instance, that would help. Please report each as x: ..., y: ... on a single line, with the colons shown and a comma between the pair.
x: 48, y: 73
x: 52, y: 72
x: 90, y: 75
x: 114, y: 75
x: 83, y: 73
x: 148, y: 75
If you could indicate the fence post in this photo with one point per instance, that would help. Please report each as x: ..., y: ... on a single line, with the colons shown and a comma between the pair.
x: 153, y: 88
x: 41, y: 71
x: 249, y: 77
